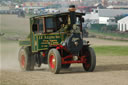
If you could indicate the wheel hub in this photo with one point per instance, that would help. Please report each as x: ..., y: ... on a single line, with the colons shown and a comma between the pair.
x: 23, y: 60
x: 52, y: 61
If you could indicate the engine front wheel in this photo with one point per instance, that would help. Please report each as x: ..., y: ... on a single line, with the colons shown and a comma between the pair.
x: 26, y: 59
x: 90, y: 64
x: 54, y: 61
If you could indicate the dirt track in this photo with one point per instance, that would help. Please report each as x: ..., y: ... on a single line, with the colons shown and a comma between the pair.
x: 110, y: 70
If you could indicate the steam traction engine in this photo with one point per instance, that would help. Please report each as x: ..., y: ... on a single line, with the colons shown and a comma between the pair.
x: 56, y: 40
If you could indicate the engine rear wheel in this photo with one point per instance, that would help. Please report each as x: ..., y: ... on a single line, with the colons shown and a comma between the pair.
x: 90, y: 64
x: 26, y: 59
x: 54, y: 61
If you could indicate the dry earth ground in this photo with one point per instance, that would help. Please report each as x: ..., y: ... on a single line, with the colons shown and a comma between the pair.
x: 110, y: 70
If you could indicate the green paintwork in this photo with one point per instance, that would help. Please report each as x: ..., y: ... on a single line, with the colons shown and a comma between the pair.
x: 25, y: 42
x: 44, y: 41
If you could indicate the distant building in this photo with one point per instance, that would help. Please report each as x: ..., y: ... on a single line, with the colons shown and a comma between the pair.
x: 110, y: 12
x: 107, y: 16
x: 37, y: 4
x: 123, y: 24
x: 104, y: 16
x: 92, y: 18
x: 99, y: 5
x: 117, y: 7
x: 107, y: 20
x: 86, y: 9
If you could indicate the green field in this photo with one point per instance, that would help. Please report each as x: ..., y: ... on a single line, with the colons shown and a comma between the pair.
x: 96, y: 32
x: 111, y: 50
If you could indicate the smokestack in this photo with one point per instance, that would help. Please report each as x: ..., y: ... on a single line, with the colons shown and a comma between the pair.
x: 72, y: 10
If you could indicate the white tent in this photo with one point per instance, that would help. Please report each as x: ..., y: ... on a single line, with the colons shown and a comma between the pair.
x: 123, y: 24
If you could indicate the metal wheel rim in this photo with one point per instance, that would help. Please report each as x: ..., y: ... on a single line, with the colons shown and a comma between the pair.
x: 22, y: 61
x: 52, y: 61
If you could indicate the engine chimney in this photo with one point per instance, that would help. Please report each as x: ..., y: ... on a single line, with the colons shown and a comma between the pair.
x: 72, y: 10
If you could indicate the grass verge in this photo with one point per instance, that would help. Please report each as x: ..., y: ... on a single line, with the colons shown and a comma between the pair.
x: 111, y: 50
x: 108, y: 34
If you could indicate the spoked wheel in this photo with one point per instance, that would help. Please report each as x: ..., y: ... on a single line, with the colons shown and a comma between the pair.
x: 54, y: 61
x: 65, y: 66
x: 26, y: 59
x: 90, y: 64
